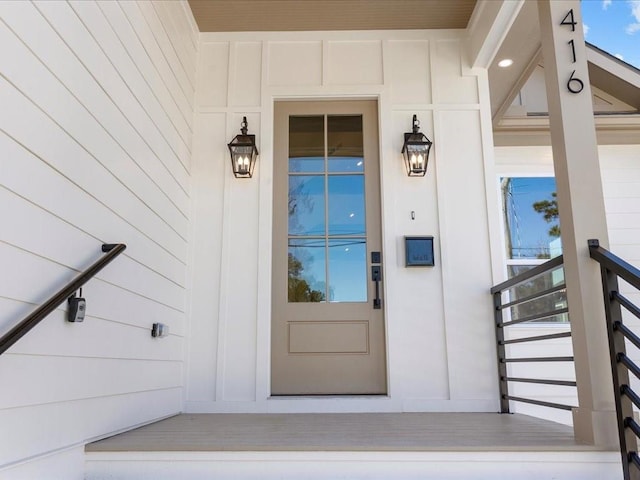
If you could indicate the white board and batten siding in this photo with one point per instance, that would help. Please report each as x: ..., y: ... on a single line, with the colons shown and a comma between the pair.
x: 440, y: 340
x: 96, y: 127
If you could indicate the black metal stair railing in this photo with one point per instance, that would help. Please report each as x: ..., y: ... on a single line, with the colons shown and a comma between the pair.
x: 549, y: 309
x: 613, y: 267
x: 111, y: 250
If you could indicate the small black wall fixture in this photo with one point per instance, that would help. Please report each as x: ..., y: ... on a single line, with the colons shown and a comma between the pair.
x: 77, y: 308
x: 415, y: 150
x: 159, y: 330
x: 243, y: 152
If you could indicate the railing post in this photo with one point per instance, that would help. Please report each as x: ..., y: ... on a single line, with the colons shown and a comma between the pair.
x: 502, y: 366
x: 624, y: 406
x: 581, y: 207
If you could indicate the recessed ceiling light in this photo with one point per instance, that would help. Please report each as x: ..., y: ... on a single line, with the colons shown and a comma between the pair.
x: 507, y: 62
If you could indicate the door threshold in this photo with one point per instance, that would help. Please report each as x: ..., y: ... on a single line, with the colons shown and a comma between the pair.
x: 367, y: 396
x: 332, y: 404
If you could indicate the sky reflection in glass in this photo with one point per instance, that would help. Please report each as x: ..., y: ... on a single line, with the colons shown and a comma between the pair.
x: 306, y: 205
x: 306, y: 164
x: 348, y: 270
x: 346, y: 205
x: 527, y: 231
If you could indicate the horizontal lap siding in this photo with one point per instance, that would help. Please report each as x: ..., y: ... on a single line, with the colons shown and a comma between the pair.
x: 66, y: 422
x: 95, y: 141
x: 621, y: 184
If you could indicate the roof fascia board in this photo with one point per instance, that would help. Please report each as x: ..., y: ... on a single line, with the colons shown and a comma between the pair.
x: 626, y: 73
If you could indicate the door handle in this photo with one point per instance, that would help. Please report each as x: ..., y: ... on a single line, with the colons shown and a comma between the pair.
x: 376, y: 276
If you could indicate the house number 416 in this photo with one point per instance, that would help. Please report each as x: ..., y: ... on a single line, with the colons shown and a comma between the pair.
x: 574, y: 85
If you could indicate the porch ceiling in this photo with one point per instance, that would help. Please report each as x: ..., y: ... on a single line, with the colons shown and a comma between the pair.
x: 522, y: 45
x: 313, y: 15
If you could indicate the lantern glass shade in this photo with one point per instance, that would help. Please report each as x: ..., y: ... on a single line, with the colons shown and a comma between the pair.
x: 416, y: 151
x: 243, y: 153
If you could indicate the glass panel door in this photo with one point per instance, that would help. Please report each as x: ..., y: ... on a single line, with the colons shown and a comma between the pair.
x: 327, y: 234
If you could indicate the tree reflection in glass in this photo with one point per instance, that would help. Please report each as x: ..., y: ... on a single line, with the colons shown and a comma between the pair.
x: 306, y: 266
x: 531, y: 236
x: 299, y: 288
x: 540, y: 305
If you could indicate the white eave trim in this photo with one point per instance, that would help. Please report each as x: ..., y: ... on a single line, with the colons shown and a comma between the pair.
x: 528, y: 131
x: 607, y: 122
x: 488, y: 28
x: 613, y: 66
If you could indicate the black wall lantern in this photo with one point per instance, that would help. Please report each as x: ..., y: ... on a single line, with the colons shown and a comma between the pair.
x: 243, y: 152
x: 416, y: 150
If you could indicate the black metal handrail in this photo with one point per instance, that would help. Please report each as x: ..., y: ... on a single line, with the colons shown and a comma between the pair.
x: 545, y: 267
x: 112, y: 250
x: 613, y: 267
x: 501, y: 324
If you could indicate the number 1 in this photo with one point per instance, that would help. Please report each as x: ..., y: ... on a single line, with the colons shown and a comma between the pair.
x: 573, y: 50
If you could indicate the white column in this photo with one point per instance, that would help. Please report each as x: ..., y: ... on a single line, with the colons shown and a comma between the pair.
x: 582, y: 214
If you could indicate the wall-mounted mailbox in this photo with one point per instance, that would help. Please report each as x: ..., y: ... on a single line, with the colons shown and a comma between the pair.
x: 418, y: 251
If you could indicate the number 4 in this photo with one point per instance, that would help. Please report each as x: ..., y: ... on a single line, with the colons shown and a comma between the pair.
x: 569, y: 20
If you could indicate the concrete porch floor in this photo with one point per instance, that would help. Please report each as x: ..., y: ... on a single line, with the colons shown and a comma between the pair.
x: 342, y: 432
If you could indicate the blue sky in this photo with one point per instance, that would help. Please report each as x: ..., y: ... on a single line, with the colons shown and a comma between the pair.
x: 614, y: 26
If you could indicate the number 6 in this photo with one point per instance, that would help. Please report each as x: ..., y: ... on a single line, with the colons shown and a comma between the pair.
x: 578, y: 82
